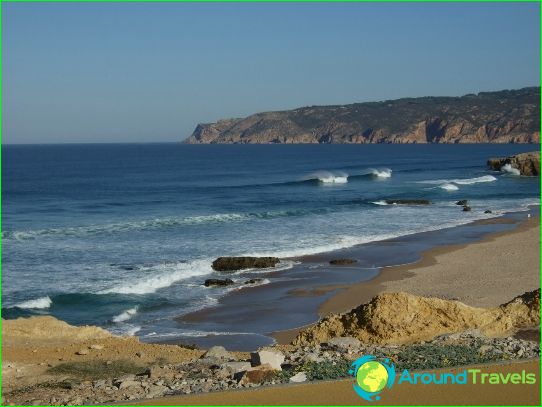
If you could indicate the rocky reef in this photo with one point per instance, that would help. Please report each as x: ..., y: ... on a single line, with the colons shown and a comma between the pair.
x: 523, y: 164
x: 246, y: 262
x: 508, y: 116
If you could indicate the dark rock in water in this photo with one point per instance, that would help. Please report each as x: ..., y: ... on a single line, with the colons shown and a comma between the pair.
x: 488, y: 211
x: 240, y: 263
x: 466, y: 208
x: 463, y: 202
x: 526, y: 163
x: 407, y: 201
x: 253, y: 281
x: 213, y: 282
x: 342, y: 262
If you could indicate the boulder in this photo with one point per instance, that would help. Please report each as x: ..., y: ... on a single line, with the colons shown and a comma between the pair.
x: 344, y: 343
x: 217, y: 352
x: 241, y: 263
x: 253, y: 281
x: 256, y: 376
x: 272, y: 357
x: 466, y: 208
x: 488, y: 211
x: 298, y: 378
x: 463, y: 202
x: 236, y: 367
x: 342, y: 262
x: 407, y: 202
x: 526, y: 163
x: 215, y: 282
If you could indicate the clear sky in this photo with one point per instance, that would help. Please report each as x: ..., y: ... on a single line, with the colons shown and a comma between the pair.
x: 123, y: 72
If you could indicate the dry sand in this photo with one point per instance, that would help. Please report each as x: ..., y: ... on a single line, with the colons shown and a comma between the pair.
x: 341, y: 393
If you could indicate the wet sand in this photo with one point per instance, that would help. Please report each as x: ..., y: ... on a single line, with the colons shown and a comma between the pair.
x: 341, y: 393
x: 484, y: 274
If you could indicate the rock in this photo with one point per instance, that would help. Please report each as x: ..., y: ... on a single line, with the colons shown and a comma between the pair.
x: 272, y: 357
x: 128, y: 383
x: 298, y: 378
x: 240, y: 263
x: 140, y: 354
x: 253, y: 281
x: 344, y: 343
x: 526, y: 163
x: 462, y: 202
x: 488, y: 211
x: 156, y: 391
x: 485, y: 348
x: 82, y: 352
x: 96, y: 347
x: 466, y: 208
x: 236, y: 367
x: 407, y: 202
x: 256, y: 376
x: 342, y: 262
x: 217, y: 352
x: 154, y: 372
x: 215, y: 282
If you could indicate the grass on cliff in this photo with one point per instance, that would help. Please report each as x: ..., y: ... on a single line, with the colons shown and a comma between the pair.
x: 97, y: 369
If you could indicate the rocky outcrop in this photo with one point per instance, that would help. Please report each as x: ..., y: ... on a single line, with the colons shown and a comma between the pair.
x: 526, y: 163
x: 215, y: 282
x: 510, y: 116
x: 241, y: 263
x: 396, y: 318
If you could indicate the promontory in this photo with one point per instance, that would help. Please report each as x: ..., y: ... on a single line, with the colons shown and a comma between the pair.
x: 507, y: 116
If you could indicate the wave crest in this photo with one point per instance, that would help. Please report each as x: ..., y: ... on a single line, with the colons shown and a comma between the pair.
x: 125, y: 316
x: 38, y: 303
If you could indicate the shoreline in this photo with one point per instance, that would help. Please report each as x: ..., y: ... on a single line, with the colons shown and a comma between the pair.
x: 393, y: 278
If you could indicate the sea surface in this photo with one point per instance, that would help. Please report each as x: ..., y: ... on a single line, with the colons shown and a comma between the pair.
x: 123, y: 235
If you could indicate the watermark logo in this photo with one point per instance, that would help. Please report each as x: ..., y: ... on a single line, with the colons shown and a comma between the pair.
x: 372, y: 376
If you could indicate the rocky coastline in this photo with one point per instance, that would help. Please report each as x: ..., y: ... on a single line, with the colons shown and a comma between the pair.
x: 510, y: 116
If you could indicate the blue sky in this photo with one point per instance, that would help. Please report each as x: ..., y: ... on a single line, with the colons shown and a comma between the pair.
x: 137, y: 72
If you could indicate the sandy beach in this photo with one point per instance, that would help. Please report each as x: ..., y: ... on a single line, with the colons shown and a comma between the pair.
x: 482, y: 274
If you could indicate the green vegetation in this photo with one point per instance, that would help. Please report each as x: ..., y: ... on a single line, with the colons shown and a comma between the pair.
x: 97, y: 369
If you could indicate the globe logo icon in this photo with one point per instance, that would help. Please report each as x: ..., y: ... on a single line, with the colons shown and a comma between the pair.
x: 372, y: 376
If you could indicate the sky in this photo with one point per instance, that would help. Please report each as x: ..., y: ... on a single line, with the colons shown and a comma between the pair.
x: 150, y: 72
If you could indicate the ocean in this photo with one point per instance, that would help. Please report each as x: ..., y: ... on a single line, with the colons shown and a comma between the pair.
x: 123, y: 235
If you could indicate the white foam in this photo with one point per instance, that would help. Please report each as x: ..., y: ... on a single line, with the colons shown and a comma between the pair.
x: 163, y: 275
x: 507, y: 168
x: 125, y: 316
x: 382, y: 173
x: 327, y: 177
x: 39, y: 303
x: 449, y: 187
x: 461, y: 181
x: 381, y: 203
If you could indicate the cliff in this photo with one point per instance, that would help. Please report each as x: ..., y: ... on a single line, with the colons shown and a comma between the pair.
x: 508, y: 116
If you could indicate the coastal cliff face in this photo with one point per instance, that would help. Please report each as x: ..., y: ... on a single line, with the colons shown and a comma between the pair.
x: 509, y: 116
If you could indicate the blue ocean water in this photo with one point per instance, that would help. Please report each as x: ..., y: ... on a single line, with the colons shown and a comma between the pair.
x: 123, y: 235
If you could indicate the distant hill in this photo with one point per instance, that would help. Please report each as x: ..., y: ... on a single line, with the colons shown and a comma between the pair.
x: 508, y: 116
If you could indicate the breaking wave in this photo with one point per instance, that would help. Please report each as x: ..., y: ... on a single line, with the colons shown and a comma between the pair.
x: 125, y: 316
x: 461, y: 181
x: 39, y: 303
x: 163, y: 275
x: 508, y: 169
x: 327, y: 177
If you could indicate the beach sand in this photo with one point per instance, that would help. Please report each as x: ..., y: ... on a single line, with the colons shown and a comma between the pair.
x: 482, y: 274
x: 341, y: 392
